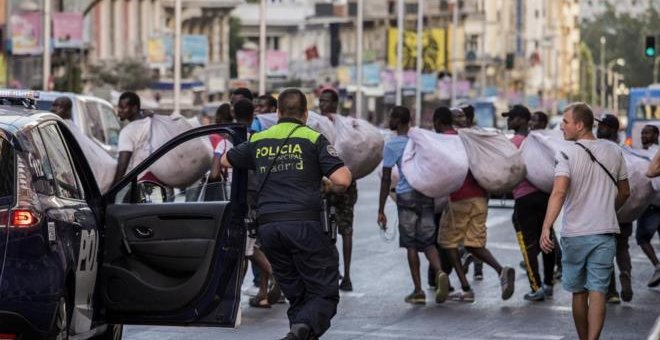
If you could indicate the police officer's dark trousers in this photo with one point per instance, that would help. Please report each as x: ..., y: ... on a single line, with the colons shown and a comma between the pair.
x: 306, y: 266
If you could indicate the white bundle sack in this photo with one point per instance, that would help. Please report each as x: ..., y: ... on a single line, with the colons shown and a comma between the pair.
x: 102, y: 164
x: 185, y: 164
x: 495, y: 162
x: 538, y: 152
x: 434, y: 164
x: 359, y: 144
x: 314, y: 120
x: 641, y: 191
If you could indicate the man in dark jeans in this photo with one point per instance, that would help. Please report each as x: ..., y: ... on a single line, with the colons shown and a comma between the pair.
x: 528, y: 215
x: 608, y: 128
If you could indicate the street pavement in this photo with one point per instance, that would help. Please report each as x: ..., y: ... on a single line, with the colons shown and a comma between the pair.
x: 381, y: 279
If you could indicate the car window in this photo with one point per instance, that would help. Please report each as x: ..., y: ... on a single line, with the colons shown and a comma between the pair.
x: 181, y: 175
x: 7, y: 173
x: 94, y: 122
x: 43, y: 172
x: 44, y: 105
x: 66, y: 181
x: 110, y: 124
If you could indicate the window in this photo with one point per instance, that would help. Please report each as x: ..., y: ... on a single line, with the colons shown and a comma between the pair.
x: 111, y: 125
x: 93, y: 122
x: 165, y: 181
x: 66, y: 181
x: 7, y: 173
x: 42, y: 171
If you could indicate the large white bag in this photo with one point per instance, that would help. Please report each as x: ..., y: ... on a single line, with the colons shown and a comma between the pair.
x: 102, y: 164
x: 359, y: 144
x: 185, y: 164
x: 434, y: 164
x: 495, y: 162
x: 314, y: 120
x: 538, y: 152
x: 641, y: 191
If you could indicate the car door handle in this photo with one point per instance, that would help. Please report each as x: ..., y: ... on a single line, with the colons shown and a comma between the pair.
x: 143, y: 232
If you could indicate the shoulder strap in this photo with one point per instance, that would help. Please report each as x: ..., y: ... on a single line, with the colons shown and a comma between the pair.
x: 593, y: 159
x: 270, y: 167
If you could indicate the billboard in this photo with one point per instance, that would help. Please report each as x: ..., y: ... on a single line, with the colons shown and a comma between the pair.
x: 435, y: 50
x: 67, y: 30
x: 194, y: 50
x: 277, y: 64
x: 26, y: 33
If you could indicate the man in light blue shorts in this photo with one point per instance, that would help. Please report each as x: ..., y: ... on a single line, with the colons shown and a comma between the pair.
x: 591, y: 183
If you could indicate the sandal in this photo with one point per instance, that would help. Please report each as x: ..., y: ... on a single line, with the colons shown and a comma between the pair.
x: 274, y: 294
x: 259, y: 302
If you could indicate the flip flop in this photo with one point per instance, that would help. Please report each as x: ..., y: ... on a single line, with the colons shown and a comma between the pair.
x: 259, y: 302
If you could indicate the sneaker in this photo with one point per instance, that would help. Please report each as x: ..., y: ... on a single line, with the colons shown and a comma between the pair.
x: 538, y: 295
x: 655, y: 279
x: 626, y: 287
x: 507, y: 281
x: 442, y: 282
x: 613, y: 298
x: 346, y: 285
x: 479, y: 271
x: 462, y: 296
x: 416, y: 298
x: 548, y: 291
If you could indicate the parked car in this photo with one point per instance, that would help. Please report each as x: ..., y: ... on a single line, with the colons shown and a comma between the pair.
x: 75, y: 263
x: 95, y: 116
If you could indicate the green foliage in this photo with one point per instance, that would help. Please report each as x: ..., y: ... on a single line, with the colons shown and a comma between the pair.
x: 235, y: 44
x: 625, y: 37
x: 125, y: 75
x: 586, y: 74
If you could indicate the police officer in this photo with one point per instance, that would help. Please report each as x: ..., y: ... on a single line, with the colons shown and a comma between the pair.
x: 290, y: 161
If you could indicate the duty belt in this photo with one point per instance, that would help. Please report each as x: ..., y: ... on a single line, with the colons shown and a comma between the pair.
x: 307, y: 215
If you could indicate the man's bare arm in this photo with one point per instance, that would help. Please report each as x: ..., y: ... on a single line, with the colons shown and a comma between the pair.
x: 556, y: 201
x: 654, y: 168
x: 623, y: 193
x: 122, y: 164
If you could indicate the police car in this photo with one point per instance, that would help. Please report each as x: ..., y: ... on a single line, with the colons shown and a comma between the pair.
x: 78, y: 264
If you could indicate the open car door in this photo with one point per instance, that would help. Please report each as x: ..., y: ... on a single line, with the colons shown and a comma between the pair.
x: 173, y: 256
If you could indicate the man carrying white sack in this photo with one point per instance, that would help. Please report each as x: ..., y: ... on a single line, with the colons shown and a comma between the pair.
x: 344, y: 203
x: 648, y: 225
x: 591, y: 184
x: 416, y: 216
x: 529, y: 213
x: 133, y: 145
x: 463, y: 222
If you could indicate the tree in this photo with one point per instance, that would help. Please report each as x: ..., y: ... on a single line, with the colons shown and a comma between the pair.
x: 586, y: 74
x: 125, y: 75
x: 235, y: 43
x: 625, y: 39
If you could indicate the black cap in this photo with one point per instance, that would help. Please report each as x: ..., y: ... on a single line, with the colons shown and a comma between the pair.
x: 609, y: 120
x: 518, y: 111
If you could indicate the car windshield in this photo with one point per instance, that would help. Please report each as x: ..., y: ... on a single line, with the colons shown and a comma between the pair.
x: 7, y: 174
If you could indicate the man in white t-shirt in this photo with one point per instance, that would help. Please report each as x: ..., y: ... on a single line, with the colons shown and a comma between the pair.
x: 133, y: 145
x: 591, y: 183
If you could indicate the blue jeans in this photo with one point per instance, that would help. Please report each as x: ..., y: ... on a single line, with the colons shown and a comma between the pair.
x: 587, y: 262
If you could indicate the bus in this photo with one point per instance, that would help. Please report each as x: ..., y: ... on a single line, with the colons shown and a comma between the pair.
x: 643, y: 109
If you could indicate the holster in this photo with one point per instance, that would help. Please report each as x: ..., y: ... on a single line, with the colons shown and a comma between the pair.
x: 328, y: 220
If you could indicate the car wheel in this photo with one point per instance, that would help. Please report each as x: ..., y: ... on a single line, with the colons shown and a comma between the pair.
x: 62, y: 320
x: 112, y: 332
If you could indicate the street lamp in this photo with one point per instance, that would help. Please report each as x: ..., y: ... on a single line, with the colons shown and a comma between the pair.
x: 613, y: 80
x: 603, y: 40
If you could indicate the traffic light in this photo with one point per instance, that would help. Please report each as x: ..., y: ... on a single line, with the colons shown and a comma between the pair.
x: 649, y: 49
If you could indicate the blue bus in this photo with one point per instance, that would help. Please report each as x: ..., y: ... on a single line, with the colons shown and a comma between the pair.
x: 643, y: 109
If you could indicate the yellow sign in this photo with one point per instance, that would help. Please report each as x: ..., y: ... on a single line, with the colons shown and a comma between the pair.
x: 435, y: 49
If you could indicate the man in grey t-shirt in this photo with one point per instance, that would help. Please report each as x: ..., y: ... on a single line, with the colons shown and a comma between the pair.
x: 591, y: 184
